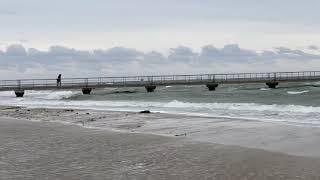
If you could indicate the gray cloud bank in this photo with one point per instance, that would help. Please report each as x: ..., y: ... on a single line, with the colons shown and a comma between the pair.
x: 20, y: 62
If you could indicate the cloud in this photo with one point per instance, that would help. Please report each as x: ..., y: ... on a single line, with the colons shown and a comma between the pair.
x: 35, y: 52
x: 286, y: 53
x: 155, y: 57
x: 117, y: 54
x: 231, y: 52
x: 235, y: 50
x: 16, y: 50
x: 313, y: 47
x: 182, y: 53
x: 20, y: 62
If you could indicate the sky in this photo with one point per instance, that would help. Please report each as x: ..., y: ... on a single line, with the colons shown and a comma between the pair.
x: 40, y: 38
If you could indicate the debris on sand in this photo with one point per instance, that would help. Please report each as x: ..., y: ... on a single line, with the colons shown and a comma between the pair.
x: 92, y: 119
x: 145, y: 112
x: 9, y: 108
x: 124, y: 92
x: 184, y: 134
x: 68, y: 110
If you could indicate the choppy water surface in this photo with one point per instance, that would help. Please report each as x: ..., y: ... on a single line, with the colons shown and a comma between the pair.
x: 290, y: 103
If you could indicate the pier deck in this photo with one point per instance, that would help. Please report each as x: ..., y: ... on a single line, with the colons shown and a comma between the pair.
x: 150, y: 82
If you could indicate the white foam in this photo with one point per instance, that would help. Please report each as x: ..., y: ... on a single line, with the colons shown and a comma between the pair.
x: 61, y: 95
x: 275, y: 112
x: 297, y: 92
x: 244, y: 106
x: 7, y: 93
x: 55, y: 100
x: 51, y: 95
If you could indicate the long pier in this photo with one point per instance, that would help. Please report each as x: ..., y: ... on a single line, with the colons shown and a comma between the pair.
x: 211, y: 81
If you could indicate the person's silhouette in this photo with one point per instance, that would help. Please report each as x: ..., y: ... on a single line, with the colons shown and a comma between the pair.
x: 59, y: 80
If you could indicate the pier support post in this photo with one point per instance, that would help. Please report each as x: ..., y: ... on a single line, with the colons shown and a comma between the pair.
x: 272, y: 84
x: 212, y: 86
x: 150, y: 88
x: 19, y: 92
x: 86, y: 90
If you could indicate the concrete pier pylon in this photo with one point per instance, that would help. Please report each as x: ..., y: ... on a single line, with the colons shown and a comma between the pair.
x: 150, y: 88
x: 272, y: 84
x: 86, y: 90
x: 19, y: 92
x: 212, y: 86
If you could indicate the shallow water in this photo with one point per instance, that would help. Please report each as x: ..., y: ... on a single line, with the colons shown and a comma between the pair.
x: 290, y: 103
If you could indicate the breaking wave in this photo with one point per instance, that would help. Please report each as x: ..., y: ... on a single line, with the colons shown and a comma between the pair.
x: 57, y: 100
x: 53, y: 95
x: 255, y: 110
x: 245, y: 106
x: 49, y: 95
x: 297, y: 92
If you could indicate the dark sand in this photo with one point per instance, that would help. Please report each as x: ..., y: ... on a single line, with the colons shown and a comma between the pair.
x: 47, y: 150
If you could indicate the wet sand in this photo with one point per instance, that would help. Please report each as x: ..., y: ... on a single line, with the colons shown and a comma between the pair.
x: 269, y: 136
x: 51, y: 150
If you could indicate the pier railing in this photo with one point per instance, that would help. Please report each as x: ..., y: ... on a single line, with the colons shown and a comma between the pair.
x: 234, y: 78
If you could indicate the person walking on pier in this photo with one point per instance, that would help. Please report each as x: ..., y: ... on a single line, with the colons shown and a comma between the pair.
x: 59, y: 80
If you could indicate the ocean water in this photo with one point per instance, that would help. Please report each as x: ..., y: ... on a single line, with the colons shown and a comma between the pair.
x: 292, y: 103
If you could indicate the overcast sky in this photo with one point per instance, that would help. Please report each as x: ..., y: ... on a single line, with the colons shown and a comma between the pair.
x: 162, y: 29
x: 158, y: 25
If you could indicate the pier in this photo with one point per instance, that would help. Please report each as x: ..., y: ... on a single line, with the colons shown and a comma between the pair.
x: 211, y: 81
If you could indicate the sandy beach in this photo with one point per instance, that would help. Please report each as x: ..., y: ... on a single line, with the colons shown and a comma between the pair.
x: 36, y: 144
x: 159, y: 90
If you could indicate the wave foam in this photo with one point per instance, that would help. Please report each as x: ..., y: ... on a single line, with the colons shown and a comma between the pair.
x: 56, y: 99
x: 177, y: 105
x: 244, y: 107
x: 7, y: 93
x: 61, y: 95
x: 297, y: 92
x: 272, y: 112
x: 51, y: 95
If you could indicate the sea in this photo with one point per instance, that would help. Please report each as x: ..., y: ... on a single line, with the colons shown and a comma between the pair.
x: 291, y: 103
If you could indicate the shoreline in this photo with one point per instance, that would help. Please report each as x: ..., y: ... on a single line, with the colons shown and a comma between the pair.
x: 275, y: 137
x: 51, y: 150
x: 281, y: 122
